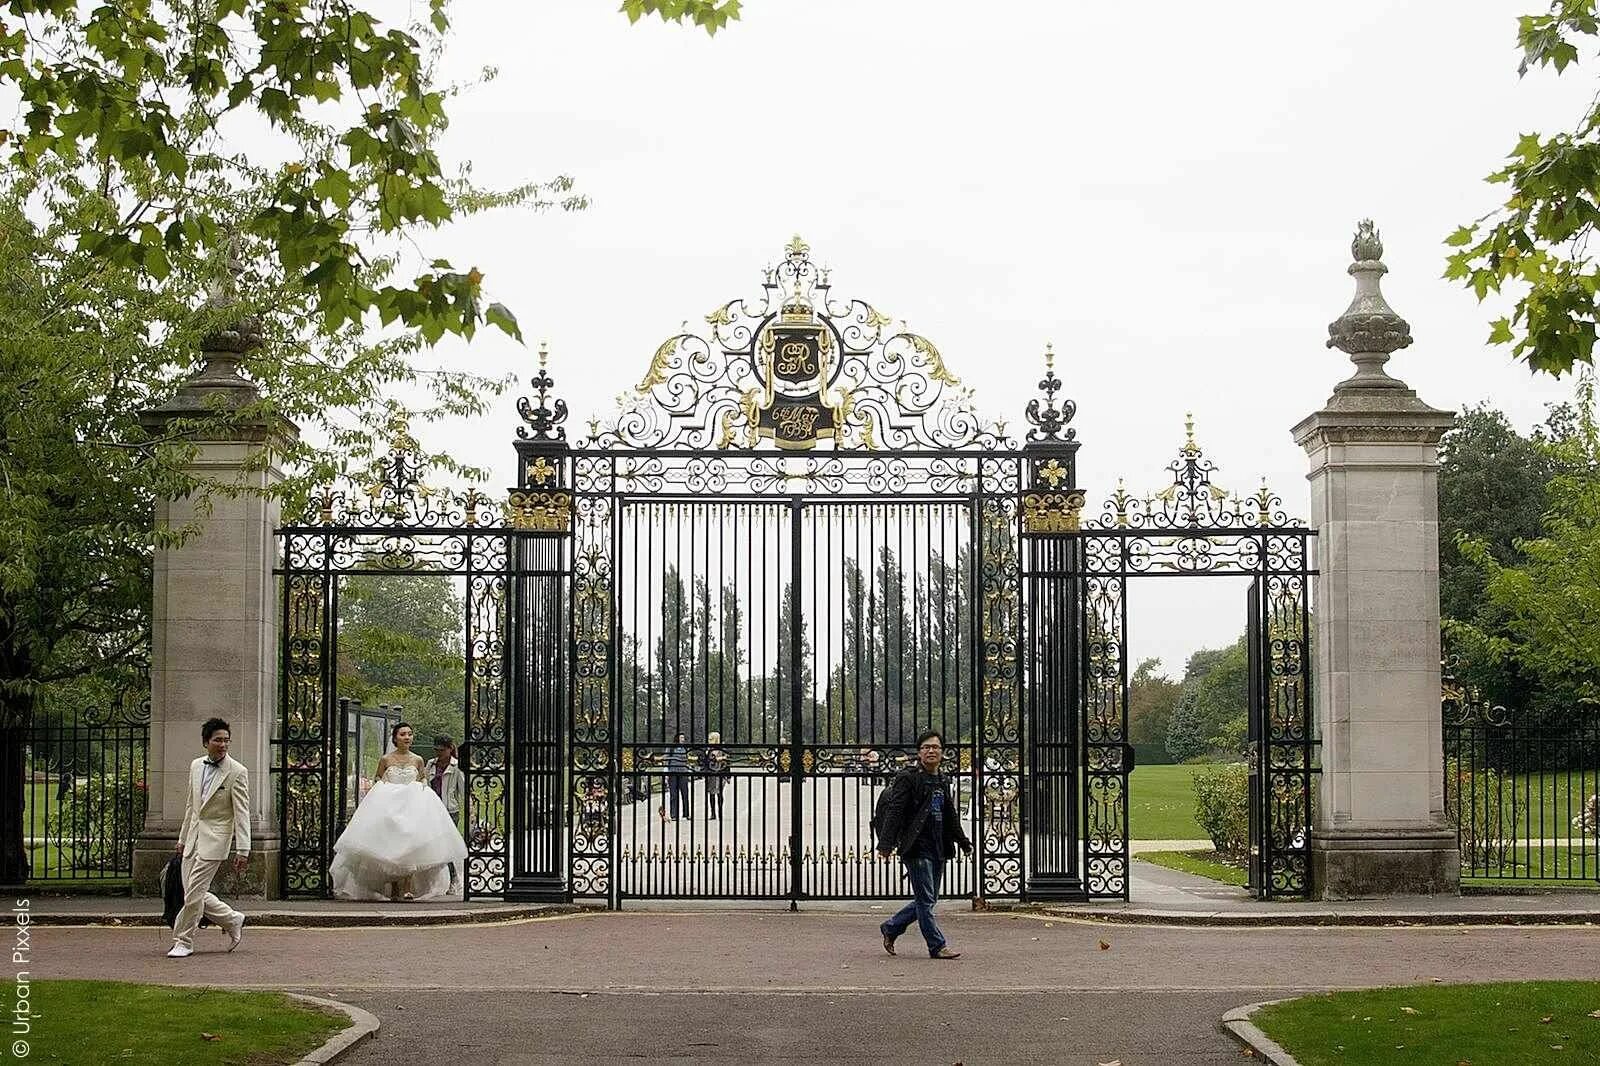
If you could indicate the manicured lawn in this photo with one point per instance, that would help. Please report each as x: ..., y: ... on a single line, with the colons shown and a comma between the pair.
x: 1535, y: 806
x: 1161, y: 804
x: 1553, y: 861
x: 1203, y: 863
x: 1533, y: 1023
x: 152, y: 1025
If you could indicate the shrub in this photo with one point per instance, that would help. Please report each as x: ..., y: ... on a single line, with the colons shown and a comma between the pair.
x: 97, y: 821
x: 1222, y: 806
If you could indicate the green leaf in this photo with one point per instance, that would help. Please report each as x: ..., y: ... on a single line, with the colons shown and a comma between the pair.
x: 1500, y: 331
x: 499, y: 315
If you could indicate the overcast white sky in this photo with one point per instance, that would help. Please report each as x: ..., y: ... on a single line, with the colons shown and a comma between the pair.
x: 1166, y: 191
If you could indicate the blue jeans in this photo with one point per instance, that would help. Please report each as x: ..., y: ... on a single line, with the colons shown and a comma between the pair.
x: 926, y: 874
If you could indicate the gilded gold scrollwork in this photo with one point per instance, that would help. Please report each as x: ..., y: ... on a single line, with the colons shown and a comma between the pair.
x: 1052, y: 512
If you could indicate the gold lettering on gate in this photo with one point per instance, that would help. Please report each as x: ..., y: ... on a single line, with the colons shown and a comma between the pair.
x: 794, y: 358
x: 795, y: 423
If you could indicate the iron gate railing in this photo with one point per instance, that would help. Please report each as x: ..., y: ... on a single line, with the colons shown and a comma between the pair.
x: 1523, y: 792
x: 86, y: 792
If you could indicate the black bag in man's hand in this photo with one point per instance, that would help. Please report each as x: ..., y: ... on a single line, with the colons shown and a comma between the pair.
x: 172, y: 893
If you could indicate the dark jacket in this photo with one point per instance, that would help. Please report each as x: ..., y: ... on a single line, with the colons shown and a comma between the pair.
x: 172, y: 893
x: 907, y: 806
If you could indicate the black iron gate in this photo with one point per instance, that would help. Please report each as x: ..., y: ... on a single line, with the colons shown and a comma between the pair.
x: 1193, y: 528
x: 763, y: 627
x: 698, y: 643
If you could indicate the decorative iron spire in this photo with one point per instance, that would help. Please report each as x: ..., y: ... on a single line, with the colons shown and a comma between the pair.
x: 1369, y: 331
x: 1049, y: 423
x: 544, y: 422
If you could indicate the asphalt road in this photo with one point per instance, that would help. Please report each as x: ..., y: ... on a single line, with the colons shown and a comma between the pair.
x: 767, y: 986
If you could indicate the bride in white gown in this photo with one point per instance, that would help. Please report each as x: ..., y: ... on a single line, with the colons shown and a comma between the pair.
x: 400, y: 836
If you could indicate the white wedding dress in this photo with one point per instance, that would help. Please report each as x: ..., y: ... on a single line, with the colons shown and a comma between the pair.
x: 400, y: 829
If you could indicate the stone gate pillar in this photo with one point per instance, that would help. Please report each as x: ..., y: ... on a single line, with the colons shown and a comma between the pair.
x: 1380, y: 825
x: 214, y: 619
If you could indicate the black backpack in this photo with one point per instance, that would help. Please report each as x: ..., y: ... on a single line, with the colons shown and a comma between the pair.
x: 879, y: 809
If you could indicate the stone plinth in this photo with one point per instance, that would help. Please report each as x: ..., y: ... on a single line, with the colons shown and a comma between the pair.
x: 1380, y: 824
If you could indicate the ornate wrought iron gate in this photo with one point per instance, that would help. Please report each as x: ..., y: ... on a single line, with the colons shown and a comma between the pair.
x: 763, y: 628
x: 1194, y: 528
x: 698, y: 646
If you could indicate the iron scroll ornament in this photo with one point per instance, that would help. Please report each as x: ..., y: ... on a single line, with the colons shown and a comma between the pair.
x: 796, y: 366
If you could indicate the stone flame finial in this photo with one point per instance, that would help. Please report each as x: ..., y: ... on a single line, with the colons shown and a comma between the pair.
x: 1367, y: 246
x: 1369, y: 331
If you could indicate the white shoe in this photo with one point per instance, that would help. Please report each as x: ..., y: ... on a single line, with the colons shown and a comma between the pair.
x: 235, y: 933
x: 180, y: 952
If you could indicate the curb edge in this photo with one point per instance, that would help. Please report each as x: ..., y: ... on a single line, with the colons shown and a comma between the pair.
x: 364, y: 1024
x: 1238, y: 1025
x: 1506, y: 919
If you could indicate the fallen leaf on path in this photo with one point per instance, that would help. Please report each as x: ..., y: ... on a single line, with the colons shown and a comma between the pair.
x: 1113, y: 1062
x: 1105, y: 945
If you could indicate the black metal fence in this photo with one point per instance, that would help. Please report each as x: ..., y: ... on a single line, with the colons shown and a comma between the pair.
x: 85, y: 792
x: 1523, y: 792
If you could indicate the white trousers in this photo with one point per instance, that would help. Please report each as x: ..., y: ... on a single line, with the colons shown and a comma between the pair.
x: 198, y: 900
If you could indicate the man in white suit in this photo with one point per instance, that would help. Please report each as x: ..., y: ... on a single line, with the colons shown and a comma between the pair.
x: 216, y: 820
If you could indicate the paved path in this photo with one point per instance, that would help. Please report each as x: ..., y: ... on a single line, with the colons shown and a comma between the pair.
x: 749, y: 985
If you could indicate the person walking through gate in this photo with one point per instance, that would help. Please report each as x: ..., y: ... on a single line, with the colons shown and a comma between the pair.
x: 216, y: 820
x: 919, y: 819
x: 678, y: 777
x: 714, y: 768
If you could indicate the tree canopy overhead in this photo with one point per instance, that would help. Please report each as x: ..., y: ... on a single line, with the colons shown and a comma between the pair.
x: 1536, y: 243
x: 146, y: 91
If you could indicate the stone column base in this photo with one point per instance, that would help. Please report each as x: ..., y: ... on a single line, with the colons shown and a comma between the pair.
x: 1358, y: 863
x: 258, y: 880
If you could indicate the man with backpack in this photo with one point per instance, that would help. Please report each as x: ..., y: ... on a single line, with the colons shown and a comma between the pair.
x: 917, y: 817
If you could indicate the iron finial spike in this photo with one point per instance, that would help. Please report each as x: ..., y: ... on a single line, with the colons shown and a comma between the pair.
x: 1188, y: 432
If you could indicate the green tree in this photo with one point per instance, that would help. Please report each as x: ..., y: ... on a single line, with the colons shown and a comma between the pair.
x: 1536, y: 242
x: 1152, y: 699
x: 401, y: 642
x: 1492, y: 490
x: 780, y: 691
x: 1550, y: 596
x: 1210, y: 712
x: 144, y: 90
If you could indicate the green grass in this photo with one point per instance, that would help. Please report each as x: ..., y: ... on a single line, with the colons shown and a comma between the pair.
x: 1533, y: 1023
x: 1161, y: 804
x: 1203, y: 863
x: 153, y: 1025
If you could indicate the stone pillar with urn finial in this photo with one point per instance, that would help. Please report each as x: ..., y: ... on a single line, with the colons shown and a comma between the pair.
x: 1380, y: 825
x: 214, y: 631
